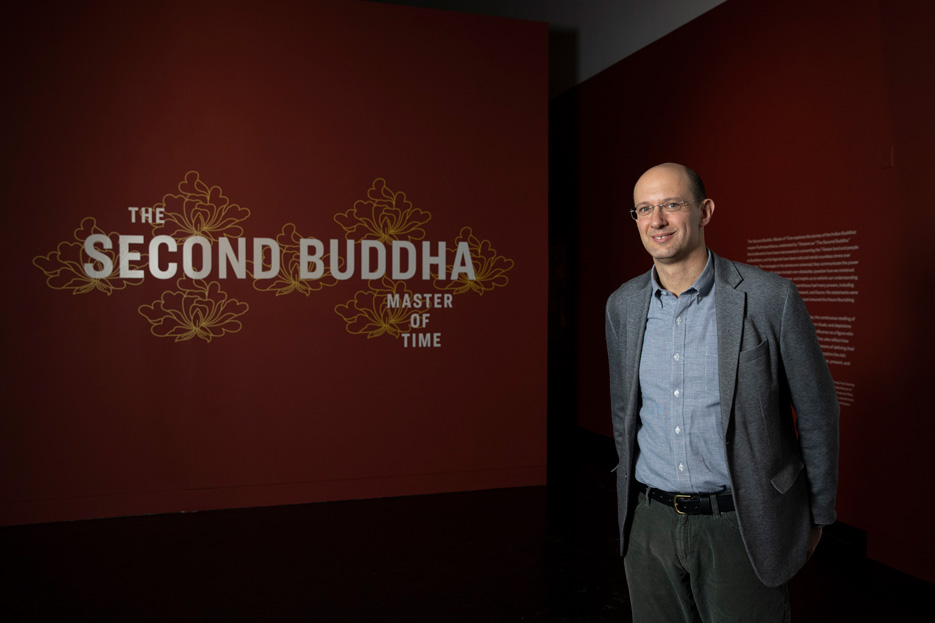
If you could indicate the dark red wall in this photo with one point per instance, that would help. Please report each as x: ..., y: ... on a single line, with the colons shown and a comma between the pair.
x: 295, y: 112
x: 802, y: 118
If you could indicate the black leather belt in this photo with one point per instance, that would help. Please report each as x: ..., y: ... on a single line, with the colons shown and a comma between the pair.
x: 689, y: 503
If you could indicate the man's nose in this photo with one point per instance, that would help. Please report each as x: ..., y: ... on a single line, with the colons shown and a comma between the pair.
x: 657, y: 218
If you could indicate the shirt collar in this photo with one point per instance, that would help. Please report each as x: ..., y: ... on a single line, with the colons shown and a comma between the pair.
x: 702, y: 285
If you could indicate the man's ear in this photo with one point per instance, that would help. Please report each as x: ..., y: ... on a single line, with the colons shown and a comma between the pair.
x: 707, y: 211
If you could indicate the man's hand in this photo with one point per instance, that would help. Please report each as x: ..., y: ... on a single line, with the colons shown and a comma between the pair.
x: 813, y: 537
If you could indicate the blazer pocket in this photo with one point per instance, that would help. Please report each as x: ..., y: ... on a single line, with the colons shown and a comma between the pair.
x: 752, y: 354
x: 785, y: 477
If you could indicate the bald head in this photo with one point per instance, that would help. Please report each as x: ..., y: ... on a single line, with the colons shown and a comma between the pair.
x: 691, y: 179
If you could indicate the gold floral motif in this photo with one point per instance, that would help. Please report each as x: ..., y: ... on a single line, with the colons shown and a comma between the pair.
x: 385, y: 216
x: 490, y: 269
x: 289, y: 278
x: 201, y: 309
x: 369, y: 313
x: 64, y: 267
x: 197, y: 309
x: 200, y: 210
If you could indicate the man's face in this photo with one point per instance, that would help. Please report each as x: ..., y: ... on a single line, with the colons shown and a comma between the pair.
x: 670, y: 238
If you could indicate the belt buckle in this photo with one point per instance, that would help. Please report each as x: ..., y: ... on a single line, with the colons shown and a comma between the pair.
x: 675, y: 502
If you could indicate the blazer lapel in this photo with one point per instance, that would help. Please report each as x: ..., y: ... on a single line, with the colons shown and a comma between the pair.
x: 731, y: 307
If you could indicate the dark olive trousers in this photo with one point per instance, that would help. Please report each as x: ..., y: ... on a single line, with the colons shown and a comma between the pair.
x: 694, y: 568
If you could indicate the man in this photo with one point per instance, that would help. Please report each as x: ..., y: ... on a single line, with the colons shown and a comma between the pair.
x: 722, y: 492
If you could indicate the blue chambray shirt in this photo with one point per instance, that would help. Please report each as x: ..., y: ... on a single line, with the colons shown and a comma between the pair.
x: 681, y: 448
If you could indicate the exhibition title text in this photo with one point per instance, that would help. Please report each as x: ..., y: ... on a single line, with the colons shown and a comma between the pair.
x: 366, y: 258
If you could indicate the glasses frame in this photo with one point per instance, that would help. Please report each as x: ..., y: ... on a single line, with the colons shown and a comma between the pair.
x: 662, y: 206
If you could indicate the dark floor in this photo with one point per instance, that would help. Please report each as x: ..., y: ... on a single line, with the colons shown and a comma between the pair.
x: 529, y: 554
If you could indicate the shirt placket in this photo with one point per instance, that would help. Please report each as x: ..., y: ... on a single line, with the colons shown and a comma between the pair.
x: 678, y: 356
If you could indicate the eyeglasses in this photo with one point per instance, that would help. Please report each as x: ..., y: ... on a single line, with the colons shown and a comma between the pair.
x: 669, y: 207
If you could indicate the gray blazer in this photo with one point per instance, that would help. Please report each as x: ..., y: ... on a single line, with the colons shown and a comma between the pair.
x: 769, y: 361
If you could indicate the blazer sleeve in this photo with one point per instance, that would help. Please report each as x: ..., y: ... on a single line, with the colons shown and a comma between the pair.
x: 615, y: 336
x: 815, y: 403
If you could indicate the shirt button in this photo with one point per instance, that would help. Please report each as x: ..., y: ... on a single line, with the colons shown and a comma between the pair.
x: 678, y: 431
x: 676, y: 393
x: 681, y: 467
x: 676, y: 356
x: 678, y: 320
